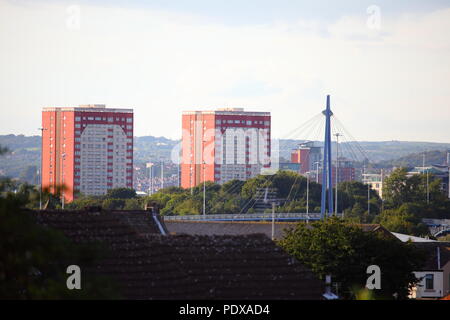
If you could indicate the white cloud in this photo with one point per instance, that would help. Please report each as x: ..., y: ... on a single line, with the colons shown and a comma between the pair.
x: 161, y: 63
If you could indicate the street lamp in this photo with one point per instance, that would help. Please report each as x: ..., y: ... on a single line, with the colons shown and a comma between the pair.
x: 448, y: 165
x: 63, y: 156
x: 317, y: 171
x: 423, y: 168
x: 150, y: 187
x: 190, y: 180
x: 204, y: 190
x: 204, y: 176
x: 337, y: 171
x: 307, y: 197
x: 162, y: 174
x: 365, y: 177
x: 40, y: 169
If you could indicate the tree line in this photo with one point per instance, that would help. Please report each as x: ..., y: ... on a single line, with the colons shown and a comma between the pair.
x: 406, y: 199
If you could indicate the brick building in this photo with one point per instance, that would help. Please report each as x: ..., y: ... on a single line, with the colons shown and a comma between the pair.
x: 307, y: 155
x: 346, y: 171
x: 88, y: 149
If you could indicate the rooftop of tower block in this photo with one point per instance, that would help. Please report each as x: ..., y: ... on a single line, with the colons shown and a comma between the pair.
x: 229, y: 111
x: 89, y: 108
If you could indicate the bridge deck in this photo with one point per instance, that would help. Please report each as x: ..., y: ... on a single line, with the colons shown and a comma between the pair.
x: 248, y: 217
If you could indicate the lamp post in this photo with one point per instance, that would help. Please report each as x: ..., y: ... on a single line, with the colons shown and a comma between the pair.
x: 365, y: 178
x: 448, y: 166
x: 190, y: 180
x: 63, y: 156
x: 307, y: 197
x: 381, y: 193
x: 40, y: 169
x: 337, y: 172
x: 204, y: 190
x: 427, y: 178
x: 317, y: 171
x: 162, y: 174
x: 150, y: 187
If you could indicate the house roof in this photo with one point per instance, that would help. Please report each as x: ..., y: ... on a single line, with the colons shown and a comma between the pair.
x: 406, y: 238
x: 85, y: 222
x: 228, y: 227
x: 432, y: 251
x: 148, y: 265
x: 246, y: 227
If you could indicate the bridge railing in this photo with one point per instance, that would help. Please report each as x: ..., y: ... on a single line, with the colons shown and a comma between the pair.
x: 246, y: 217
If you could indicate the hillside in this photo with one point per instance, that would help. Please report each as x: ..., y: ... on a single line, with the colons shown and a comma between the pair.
x: 416, y: 159
x: 24, y: 158
x: 375, y: 151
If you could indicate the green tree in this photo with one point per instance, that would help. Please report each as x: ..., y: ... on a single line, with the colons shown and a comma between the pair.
x: 83, y: 202
x: 428, y: 202
x: 354, y: 194
x: 132, y: 204
x: 121, y: 193
x: 403, y: 220
x: 3, y: 150
x: 233, y: 187
x: 398, y: 188
x: 334, y: 247
x: 113, y: 204
x: 34, y: 259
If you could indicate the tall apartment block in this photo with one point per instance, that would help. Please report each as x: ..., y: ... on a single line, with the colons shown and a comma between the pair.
x: 224, y: 144
x: 89, y: 149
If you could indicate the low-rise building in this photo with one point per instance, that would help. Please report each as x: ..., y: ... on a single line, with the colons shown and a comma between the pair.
x: 147, y: 262
x: 375, y: 181
x: 435, y: 276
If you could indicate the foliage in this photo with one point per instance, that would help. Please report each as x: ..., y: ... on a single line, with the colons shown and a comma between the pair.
x: 3, y: 150
x: 113, y: 204
x: 121, y: 193
x: 445, y: 238
x: 344, y: 251
x: 115, y: 199
x: 400, y: 189
x: 132, y: 204
x: 403, y: 220
x: 35, y: 258
x: 416, y: 159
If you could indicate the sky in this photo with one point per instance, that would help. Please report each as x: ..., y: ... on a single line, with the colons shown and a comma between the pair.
x: 386, y: 64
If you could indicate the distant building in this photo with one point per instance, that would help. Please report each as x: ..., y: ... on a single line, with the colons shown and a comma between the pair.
x: 308, y: 155
x: 290, y: 166
x: 435, y: 276
x: 375, y: 181
x: 222, y: 145
x: 346, y: 171
x: 89, y: 149
x: 439, y: 171
x: 149, y: 263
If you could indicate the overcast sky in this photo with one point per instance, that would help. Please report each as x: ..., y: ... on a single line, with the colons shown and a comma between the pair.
x: 386, y: 64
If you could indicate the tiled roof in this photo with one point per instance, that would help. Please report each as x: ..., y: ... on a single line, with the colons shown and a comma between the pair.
x: 407, y: 237
x: 228, y: 228
x: 247, y: 227
x: 375, y: 228
x: 148, y: 265
x: 431, y: 249
x: 73, y: 222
